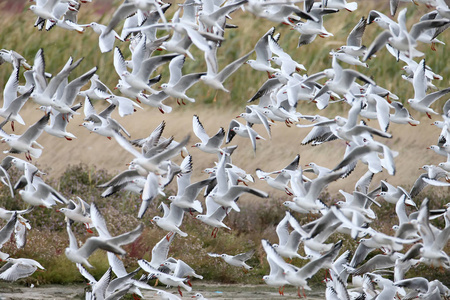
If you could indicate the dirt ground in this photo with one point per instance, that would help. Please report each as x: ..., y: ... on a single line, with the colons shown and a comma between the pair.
x: 210, y: 291
x: 271, y: 154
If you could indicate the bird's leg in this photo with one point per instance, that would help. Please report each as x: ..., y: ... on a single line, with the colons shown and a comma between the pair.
x: 87, y: 228
x: 68, y: 138
x: 178, y: 101
x: 215, y: 233
x: 288, y: 192
x: 161, y: 110
x: 215, y: 96
x: 268, y: 74
x: 298, y: 292
x: 433, y: 46
x: 108, y: 137
x: 169, y: 235
x: 282, y: 291
x: 428, y: 114
x: 287, y: 123
x: 156, y: 282
x: 304, y: 292
x: 190, y: 212
x: 245, y: 270
x: 179, y: 291
x: 189, y: 282
x: 412, y: 124
x: 12, y: 125
x: 182, y: 101
x: 135, y: 297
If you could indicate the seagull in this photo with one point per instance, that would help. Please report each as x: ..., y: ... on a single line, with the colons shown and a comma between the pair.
x: 16, y: 268
x: 421, y: 101
x: 276, y: 276
x: 208, y: 145
x: 171, y: 220
x: 111, y: 244
x: 214, y: 78
x: 245, y: 131
x: 236, y: 260
x: 153, y: 163
x: 262, y: 62
x: 215, y: 214
x: 288, y: 242
x: 25, y: 142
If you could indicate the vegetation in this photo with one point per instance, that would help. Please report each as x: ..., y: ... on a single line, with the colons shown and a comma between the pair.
x: 48, y: 237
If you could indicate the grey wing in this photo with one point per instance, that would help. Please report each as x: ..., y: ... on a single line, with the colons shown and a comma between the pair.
x: 99, y: 222
x: 377, y: 44
x: 176, y: 214
x: 72, y: 89
x: 175, y: 67
x: 187, y: 81
x: 161, y: 250
x: 430, y: 98
x: 127, y: 237
x: 232, y: 67
x: 182, y: 269
x: 122, y: 12
x: 16, y: 271
x: 267, y: 87
x: 33, y: 132
x: 306, y: 39
x: 262, y: 47
x: 360, y: 129
x: 420, y: 27
x: 379, y: 261
x: 282, y: 229
x: 149, y: 65
x: 236, y: 191
x: 167, y: 154
x: 294, y: 164
x: 119, y: 62
x: 319, y: 183
x: 353, y: 156
x: 355, y: 36
x: 244, y: 256
x: 419, y: 185
x: 120, y: 178
x: 7, y: 230
x: 231, y: 133
x: 192, y: 190
x: 217, y: 139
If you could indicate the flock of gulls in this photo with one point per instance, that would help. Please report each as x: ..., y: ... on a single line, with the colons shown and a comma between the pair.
x: 203, y: 23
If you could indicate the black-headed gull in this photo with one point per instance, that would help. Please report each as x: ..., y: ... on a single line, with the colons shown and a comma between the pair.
x: 237, y: 260
x: 171, y: 220
x: 24, y: 143
x: 208, y: 144
x: 104, y: 241
x: 17, y: 268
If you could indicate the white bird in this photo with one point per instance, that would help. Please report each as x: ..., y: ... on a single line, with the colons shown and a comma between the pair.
x: 208, y: 145
x: 237, y: 260
x: 104, y: 241
x: 421, y: 101
x: 171, y: 220
x: 26, y: 141
x: 17, y: 268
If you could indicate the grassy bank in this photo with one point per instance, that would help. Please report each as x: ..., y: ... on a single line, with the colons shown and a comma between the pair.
x: 48, y: 237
